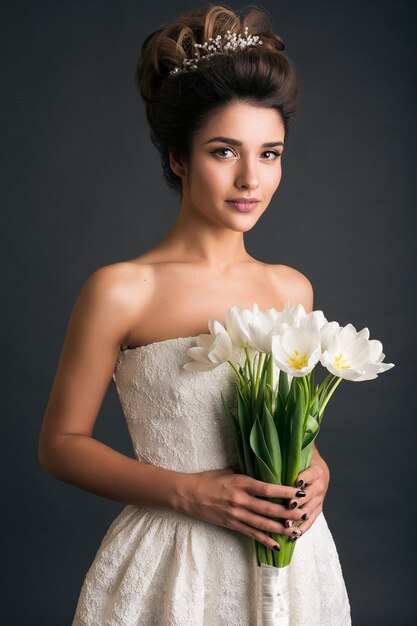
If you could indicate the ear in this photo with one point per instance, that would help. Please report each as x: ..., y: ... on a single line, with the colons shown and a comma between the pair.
x: 177, y: 165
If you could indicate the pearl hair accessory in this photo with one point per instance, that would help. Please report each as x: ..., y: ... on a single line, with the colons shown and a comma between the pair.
x: 234, y: 42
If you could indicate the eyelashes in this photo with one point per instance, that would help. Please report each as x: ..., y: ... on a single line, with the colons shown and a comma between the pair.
x: 274, y: 152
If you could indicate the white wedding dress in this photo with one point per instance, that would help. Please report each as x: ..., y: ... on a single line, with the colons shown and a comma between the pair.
x: 161, y: 568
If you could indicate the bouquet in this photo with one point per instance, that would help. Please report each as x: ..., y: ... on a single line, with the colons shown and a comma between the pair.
x: 279, y: 408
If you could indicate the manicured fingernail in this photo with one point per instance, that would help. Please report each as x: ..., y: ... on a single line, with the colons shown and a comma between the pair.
x: 288, y: 523
x: 300, y: 494
x: 297, y: 531
x: 293, y: 504
x: 300, y: 483
x: 305, y: 516
x: 276, y: 547
x: 293, y: 539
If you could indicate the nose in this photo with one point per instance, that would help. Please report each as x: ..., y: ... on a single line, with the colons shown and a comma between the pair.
x: 247, y: 176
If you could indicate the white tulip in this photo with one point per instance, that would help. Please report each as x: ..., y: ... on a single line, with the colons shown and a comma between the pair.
x: 298, y: 317
x: 237, y: 324
x: 315, y: 317
x: 326, y: 333
x: 298, y: 349
x: 351, y: 355
x: 263, y: 326
x: 293, y: 316
x: 211, y: 350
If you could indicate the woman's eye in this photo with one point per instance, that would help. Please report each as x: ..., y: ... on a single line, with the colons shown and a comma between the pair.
x: 221, y: 151
x: 276, y: 154
x: 218, y: 150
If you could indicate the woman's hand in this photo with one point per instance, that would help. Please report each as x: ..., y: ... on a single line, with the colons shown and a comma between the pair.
x: 315, y: 481
x: 237, y: 502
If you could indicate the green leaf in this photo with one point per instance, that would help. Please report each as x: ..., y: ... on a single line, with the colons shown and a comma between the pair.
x: 283, y: 384
x: 263, y: 459
x: 310, y: 382
x: 272, y: 441
x: 305, y: 458
x: 279, y: 416
x: 245, y: 423
x: 311, y: 430
x: 243, y: 393
x: 269, y: 398
x: 296, y: 437
x: 237, y: 434
x: 314, y: 409
x: 259, y: 400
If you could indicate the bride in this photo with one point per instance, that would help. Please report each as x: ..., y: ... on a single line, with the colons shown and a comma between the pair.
x: 220, y: 125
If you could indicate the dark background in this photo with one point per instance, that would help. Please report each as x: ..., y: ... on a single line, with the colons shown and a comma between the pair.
x: 82, y: 187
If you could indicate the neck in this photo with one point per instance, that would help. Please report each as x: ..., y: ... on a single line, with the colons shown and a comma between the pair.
x: 195, y: 240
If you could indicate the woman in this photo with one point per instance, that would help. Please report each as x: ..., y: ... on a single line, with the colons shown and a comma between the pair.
x: 181, y: 551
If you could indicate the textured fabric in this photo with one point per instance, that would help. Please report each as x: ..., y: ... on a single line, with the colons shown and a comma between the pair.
x: 160, y: 568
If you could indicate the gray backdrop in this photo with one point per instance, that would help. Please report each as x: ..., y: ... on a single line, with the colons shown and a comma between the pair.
x: 83, y: 188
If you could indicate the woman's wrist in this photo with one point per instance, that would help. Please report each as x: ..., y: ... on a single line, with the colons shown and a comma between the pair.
x: 317, y: 459
x: 182, y: 492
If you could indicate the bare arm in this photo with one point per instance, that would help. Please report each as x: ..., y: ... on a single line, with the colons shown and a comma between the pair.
x: 66, y: 447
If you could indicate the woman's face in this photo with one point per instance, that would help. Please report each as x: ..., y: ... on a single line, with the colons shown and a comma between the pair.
x: 237, y: 154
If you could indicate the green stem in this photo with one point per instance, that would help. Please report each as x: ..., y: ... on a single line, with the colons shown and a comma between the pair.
x: 259, y: 370
x: 331, y: 392
x: 320, y: 387
x: 248, y: 361
x: 307, y: 390
x: 239, y: 375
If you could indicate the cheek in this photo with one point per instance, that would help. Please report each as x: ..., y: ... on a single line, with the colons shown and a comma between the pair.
x: 212, y: 178
x: 277, y: 179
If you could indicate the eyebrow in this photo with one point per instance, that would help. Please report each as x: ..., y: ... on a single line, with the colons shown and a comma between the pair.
x: 236, y: 142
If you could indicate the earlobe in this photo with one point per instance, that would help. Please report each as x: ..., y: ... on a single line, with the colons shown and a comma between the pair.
x: 177, y: 165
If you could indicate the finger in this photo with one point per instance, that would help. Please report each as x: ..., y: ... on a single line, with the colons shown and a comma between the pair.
x: 268, y: 490
x: 313, y: 490
x: 264, y: 507
x: 266, y: 524
x: 269, y: 542
x: 312, y: 513
x: 298, y: 515
x: 296, y: 501
x: 309, y: 475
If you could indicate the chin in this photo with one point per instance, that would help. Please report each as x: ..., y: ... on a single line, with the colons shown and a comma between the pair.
x: 245, y: 226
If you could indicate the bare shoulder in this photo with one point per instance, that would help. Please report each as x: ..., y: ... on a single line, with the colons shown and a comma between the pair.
x: 293, y: 283
x: 113, y: 296
x: 123, y: 283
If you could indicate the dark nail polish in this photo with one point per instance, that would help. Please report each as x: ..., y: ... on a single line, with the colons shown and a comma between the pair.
x: 300, y: 483
x: 293, y: 505
x: 276, y: 547
x: 297, y: 531
x: 288, y: 523
x: 305, y: 516
x: 293, y: 539
x: 300, y: 494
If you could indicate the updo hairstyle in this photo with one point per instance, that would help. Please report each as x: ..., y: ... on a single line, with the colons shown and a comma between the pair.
x: 178, y: 105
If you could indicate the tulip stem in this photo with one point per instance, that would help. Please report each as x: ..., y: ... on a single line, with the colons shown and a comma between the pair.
x: 258, y: 371
x: 249, y: 364
x: 329, y: 395
x: 271, y: 371
x: 321, y: 387
x: 239, y: 375
x: 307, y: 391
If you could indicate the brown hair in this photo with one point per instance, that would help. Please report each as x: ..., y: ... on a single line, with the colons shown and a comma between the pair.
x: 177, y: 105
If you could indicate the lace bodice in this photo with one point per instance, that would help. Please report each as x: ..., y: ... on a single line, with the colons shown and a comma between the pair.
x: 175, y: 417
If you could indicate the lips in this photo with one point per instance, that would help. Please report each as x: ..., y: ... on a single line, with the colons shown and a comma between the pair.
x: 244, y: 205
